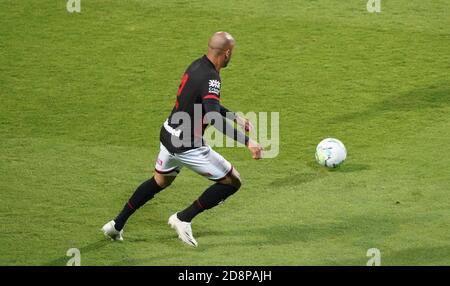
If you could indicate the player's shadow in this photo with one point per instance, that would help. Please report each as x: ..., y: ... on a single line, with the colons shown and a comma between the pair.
x: 294, y: 179
x: 61, y: 261
x: 418, y: 99
x: 357, y: 226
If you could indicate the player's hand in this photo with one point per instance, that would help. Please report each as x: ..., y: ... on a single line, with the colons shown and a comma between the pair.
x: 255, y: 148
x: 244, y: 123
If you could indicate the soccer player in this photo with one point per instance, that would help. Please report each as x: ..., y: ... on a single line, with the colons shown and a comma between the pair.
x: 198, y: 103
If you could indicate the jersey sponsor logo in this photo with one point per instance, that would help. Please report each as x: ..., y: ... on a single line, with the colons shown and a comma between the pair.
x: 214, y: 86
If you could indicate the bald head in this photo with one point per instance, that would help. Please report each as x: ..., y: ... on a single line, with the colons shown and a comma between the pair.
x: 220, y: 42
x: 220, y: 48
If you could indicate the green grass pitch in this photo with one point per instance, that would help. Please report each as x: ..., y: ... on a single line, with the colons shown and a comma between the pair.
x: 83, y: 96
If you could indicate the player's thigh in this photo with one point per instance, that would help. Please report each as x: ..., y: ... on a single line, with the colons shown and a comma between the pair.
x: 167, y: 167
x: 206, y: 162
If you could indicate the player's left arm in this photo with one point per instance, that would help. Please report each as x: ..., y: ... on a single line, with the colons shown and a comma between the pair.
x: 211, y: 93
x: 225, y: 112
x: 241, y: 121
x: 212, y: 106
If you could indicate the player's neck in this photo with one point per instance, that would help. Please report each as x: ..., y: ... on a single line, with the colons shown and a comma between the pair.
x: 215, y: 61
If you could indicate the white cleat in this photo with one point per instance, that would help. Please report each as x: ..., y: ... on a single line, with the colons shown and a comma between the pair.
x: 110, y: 231
x: 183, y: 229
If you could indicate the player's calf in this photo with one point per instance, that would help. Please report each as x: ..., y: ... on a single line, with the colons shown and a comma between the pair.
x: 212, y: 196
x: 145, y: 192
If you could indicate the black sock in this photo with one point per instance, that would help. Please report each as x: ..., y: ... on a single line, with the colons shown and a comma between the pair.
x: 210, y: 198
x: 145, y: 192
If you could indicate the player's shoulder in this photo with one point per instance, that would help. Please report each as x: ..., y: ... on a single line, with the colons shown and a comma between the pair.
x: 203, y: 69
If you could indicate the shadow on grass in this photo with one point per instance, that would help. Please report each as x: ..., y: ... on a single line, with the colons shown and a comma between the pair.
x: 417, y: 99
x: 61, y: 261
x: 320, y: 171
x: 294, y: 179
x: 346, y: 167
x: 358, y: 226
x: 350, y: 168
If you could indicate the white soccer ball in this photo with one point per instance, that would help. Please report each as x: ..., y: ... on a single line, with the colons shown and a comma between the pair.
x: 330, y: 153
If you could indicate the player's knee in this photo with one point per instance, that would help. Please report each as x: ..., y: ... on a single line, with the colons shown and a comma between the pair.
x: 236, y: 179
x: 233, y: 185
x: 163, y: 181
x: 232, y: 179
x: 164, y: 184
x: 237, y: 183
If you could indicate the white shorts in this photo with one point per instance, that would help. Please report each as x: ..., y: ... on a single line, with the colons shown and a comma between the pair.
x: 203, y: 160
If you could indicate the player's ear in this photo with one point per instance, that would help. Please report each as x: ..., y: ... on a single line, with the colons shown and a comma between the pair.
x: 228, y: 53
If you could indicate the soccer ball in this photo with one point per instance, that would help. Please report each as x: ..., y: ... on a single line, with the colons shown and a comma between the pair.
x: 330, y: 153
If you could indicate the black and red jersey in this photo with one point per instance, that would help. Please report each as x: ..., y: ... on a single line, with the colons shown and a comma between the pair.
x: 198, y: 94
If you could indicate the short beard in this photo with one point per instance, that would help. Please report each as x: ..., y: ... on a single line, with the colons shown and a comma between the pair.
x: 225, y: 64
